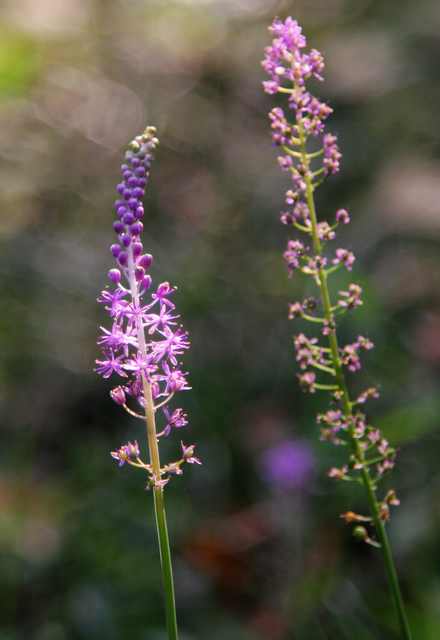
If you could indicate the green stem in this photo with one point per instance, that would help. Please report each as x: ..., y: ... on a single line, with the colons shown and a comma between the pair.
x: 387, y: 554
x: 165, y: 563
x: 161, y: 519
x: 347, y: 405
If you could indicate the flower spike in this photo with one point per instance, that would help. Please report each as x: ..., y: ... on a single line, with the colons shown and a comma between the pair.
x: 308, y: 153
x: 143, y: 346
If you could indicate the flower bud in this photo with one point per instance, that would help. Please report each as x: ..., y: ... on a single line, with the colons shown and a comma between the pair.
x: 137, y: 248
x: 136, y: 228
x: 138, y: 192
x: 134, y: 146
x: 145, y: 261
x: 114, y: 275
x: 360, y: 533
x: 118, y: 226
x: 128, y: 218
x: 146, y: 282
x: 118, y: 395
x: 123, y: 258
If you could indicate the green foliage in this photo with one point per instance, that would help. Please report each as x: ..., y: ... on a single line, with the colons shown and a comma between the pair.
x: 20, y: 62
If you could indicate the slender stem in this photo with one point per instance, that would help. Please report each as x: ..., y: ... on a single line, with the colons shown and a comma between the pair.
x: 347, y: 405
x: 165, y: 561
x: 153, y: 448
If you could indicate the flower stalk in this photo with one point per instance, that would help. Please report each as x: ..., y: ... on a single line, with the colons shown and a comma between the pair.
x: 142, y: 347
x: 370, y: 456
x: 348, y: 412
x: 158, y: 490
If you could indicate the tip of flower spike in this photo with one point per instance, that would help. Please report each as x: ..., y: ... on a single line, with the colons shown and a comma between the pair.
x: 150, y: 132
x: 147, y: 138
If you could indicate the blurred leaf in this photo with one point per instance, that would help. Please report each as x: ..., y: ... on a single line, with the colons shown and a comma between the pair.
x: 411, y: 422
x: 19, y: 63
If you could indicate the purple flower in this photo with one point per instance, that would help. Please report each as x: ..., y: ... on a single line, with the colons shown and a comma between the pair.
x: 118, y: 395
x: 113, y: 364
x: 288, y: 465
x: 177, y: 419
x: 145, y: 339
x: 332, y: 156
x: 307, y: 381
x: 342, y: 216
x: 309, y: 153
x: 116, y: 338
x: 293, y: 254
x: 344, y: 257
x: 126, y: 453
x: 351, y: 298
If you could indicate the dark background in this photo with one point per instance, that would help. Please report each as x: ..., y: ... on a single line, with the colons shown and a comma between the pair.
x: 253, y: 560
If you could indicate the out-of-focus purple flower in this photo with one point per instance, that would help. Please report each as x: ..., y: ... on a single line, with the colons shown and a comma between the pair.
x: 344, y: 257
x: 351, y: 298
x: 288, y: 465
x: 342, y: 216
x: 294, y: 252
x: 309, y: 153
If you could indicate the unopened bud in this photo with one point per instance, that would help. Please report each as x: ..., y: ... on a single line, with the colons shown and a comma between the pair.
x: 118, y: 395
x: 360, y: 533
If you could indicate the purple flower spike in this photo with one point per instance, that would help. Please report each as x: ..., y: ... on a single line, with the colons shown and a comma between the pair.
x: 145, y: 341
x: 308, y: 154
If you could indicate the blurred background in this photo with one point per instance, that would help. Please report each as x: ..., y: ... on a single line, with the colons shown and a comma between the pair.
x: 257, y: 554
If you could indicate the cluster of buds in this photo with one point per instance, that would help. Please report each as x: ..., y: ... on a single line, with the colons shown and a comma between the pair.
x: 308, y: 154
x: 364, y: 523
x: 130, y: 453
x: 145, y: 339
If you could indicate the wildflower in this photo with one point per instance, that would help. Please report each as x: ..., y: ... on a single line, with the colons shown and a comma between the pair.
x: 371, y: 392
x: 307, y: 381
x: 145, y: 341
x: 293, y: 254
x: 338, y: 474
x: 342, y: 216
x: 352, y: 298
x: 344, y: 257
x: 290, y: 66
x: 126, y: 453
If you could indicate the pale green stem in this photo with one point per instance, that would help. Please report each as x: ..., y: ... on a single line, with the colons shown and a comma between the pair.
x: 347, y: 406
x: 158, y: 493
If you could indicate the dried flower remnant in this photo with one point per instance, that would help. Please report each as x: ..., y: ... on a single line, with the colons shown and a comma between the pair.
x: 143, y: 346
x: 308, y: 153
